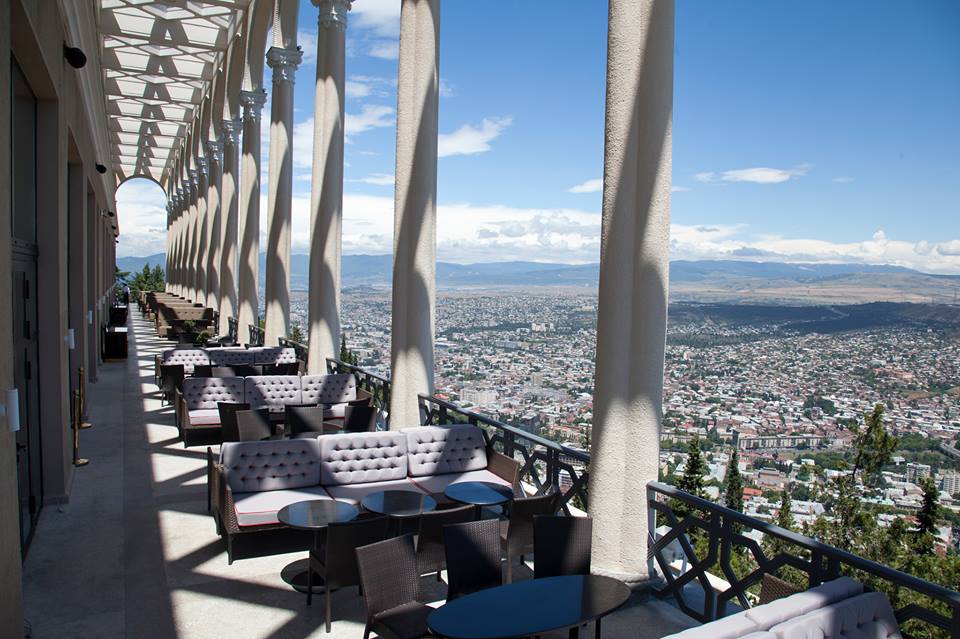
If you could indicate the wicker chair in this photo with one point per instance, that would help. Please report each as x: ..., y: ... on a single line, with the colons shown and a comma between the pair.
x: 253, y: 425
x: 391, y: 584
x: 561, y: 546
x: 516, y: 533
x: 430, y: 557
x: 291, y: 368
x: 473, y: 557
x: 359, y: 419
x: 228, y: 420
x: 336, y: 560
x: 171, y: 380
x: 203, y: 370
x: 773, y: 588
x: 305, y: 419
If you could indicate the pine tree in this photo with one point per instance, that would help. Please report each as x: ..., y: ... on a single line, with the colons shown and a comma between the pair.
x: 692, y: 479
x: 733, y: 484
x: 927, y: 517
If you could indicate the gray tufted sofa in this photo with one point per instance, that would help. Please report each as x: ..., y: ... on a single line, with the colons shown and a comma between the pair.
x: 196, y: 405
x: 252, y: 481
x: 229, y: 356
x: 834, y: 609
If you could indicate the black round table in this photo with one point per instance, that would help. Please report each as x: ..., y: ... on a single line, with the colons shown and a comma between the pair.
x: 479, y: 494
x: 313, y: 515
x: 528, y: 608
x: 399, y: 503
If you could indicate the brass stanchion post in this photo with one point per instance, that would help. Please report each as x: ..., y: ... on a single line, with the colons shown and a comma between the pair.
x: 83, y: 399
x: 77, y: 460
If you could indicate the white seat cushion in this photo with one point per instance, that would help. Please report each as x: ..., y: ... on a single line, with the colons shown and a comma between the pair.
x: 204, y: 417
x: 769, y: 615
x: 867, y: 616
x: 261, y: 508
x: 732, y: 627
x: 354, y: 493
x: 438, y: 483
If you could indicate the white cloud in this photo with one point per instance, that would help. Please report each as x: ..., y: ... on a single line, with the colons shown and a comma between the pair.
x: 371, y: 116
x: 843, y: 180
x: 679, y: 189
x: 590, y: 186
x: 469, y: 139
x: 378, y: 179
x: 142, y: 218
x: 303, y: 144
x: 379, y: 16
x: 355, y: 89
x: 307, y: 40
x: 951, y: 248
x: 446, y: 89
x: 764, y: 175
x: 384, y: 49
x: 706, y: 176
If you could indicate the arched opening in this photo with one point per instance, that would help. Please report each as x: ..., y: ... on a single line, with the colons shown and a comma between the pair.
x: 142, y: 215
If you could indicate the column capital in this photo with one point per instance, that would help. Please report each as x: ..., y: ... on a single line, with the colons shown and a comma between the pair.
x: 201, y: 167
x: 213, y: 151
x: 284, y: 63
x: 193, y: 183
x: 231, y: 132
x: 252, y: 103
x: 333, y: 13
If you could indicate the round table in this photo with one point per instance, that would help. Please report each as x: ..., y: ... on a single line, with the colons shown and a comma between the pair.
x: 313, y: 515
x: 399, y: 504
x: 528, y: 608
x: 479, y: 494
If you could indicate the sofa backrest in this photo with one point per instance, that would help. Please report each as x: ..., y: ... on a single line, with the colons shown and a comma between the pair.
x: 187, y: 357
x: 329, y: 389
x: 206, y: 392
x: 769, y: 615
x: 230, y: 357
x: 263, y: 391
x: 272, y: 355
x: 866, y: 615
x: 271, y: 465
x: 354, y: 458
x: 436, y: 450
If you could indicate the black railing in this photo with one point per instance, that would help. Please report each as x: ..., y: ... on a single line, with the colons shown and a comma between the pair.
x: 542, y: 459
x: 298, y: 347
x: 232, y: 329
x: 257, y: 335
x: 377, y: 386
x: 721, y: 529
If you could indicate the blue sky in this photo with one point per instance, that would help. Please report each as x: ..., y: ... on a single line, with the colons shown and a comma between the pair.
x: 803, y: 131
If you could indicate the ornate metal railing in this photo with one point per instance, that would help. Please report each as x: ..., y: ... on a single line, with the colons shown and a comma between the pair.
x: 232, y: 329
x: 257, y: 335
x: 377, y: 386
x: 718, y: 532
x: 542, y: 460
x: 299, y: 347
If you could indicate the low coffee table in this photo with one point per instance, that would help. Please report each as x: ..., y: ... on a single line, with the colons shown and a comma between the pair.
x: 479, y: 494
x: 529, y: 608
x: 313, y: 515
x: 399, y: 504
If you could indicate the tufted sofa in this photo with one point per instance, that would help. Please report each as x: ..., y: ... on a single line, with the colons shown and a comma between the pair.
x: 196, y: 405
x: 230, y: 356
x: 834, y: 609
x: 252, y: 481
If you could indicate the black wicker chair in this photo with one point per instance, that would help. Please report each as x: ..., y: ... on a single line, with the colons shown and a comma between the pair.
x: 290, y: 368
x: 561, y: 546
x: 305, y: 419
x: 202, y: 370
x: 391, y: 588
x: 336, y: 560
x: 516, y: 533
x: 253, y: 425
x: 473, y: 557
x: 430, y: 556
x: 359, y: 419
x: 229, y: 430
x: 171, y: 380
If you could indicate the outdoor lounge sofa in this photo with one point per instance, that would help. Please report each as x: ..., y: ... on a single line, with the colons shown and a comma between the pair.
x: 252, y: 481
x: 196, y: 405
x: 834, y: 609
x: 229, y: 356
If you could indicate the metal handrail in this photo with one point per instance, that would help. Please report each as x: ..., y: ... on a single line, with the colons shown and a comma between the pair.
x: 299, y: 347
x: 824, y: 563
x: 377, y: 385
x: 232, y: 329
x: 257, y: 335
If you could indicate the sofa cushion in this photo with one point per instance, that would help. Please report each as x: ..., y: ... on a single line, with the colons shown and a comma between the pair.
x: 866, y: 616
x: 265, y: 391
x: 437, y: 450
x: 769, y: 615
x: 732, y: 627
x: 230, y: 357
x: 354, y: 493
x: 438, y: 483
x: 271, y: 465
x: 329, y: 389
x: 204, y: 417
x: 357, y: 458
x: 261, y: 508
x: 273, y: 355
x: 188, y: 357
x: 206, y: 392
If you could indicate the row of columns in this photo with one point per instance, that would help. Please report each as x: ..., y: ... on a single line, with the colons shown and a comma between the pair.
x: 634, y: 247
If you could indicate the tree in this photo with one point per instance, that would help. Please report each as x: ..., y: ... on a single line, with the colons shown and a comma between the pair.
x: 296, y: 333
x: 696, y: 468
x: 928, y: 515
x: 733, y: 484
x: 346, y: 355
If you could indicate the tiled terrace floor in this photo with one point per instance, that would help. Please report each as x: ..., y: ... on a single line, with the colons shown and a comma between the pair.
x: 135, y: 554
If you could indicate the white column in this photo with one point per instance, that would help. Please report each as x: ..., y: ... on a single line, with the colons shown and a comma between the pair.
x: 228, y: 225
x: 214, y: 178
x: 181, y: 241
x: 632, y: 314
x: 191, y: 188
x: 326, y: 197
x: 203, y: 230
x: 277, y: 295
x: 168, y: 250
x: 249, y: 302
x: 414, y: 230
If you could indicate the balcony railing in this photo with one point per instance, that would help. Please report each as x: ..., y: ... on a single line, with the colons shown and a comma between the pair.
x: 377, y: 386
x: 233, y: 330
x: 298, y: 347
x: 257, y: 335
x: 721, y: 527
x: 543, y: 461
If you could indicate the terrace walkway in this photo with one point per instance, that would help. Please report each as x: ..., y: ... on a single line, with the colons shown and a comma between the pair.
x: 135, y: 553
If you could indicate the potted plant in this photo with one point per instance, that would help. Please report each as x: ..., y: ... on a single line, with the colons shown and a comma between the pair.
x: 188, y: 332
x: 203, y: 337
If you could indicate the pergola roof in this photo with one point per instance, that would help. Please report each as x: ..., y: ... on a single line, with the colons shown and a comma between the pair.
x: 159, y: 58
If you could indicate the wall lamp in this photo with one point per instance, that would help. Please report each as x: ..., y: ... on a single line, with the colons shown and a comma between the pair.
x: 75, y: 57
x: 101, y: 169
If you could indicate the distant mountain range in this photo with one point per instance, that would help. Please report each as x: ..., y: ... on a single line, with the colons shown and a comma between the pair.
x: 705, y: 280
